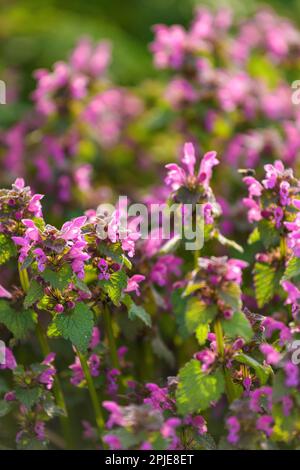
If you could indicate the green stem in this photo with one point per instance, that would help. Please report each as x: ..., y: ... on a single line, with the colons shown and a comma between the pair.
x: 196, y: 257
x: 93, y: 393
x: 283, y: 247
x: 24, y: 279
x: 219, y: 337
x: 57, y: 389
x: 229, y: 385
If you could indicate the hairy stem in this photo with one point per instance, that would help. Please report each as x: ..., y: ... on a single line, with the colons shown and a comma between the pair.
x: 93, y: 393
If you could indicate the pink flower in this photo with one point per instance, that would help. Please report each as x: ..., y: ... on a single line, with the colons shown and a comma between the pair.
x: 234, y: 427
x: 264, y: 423
x: 133, y: 283
x: 178, y: 176
x: 8, y: 361
x: 272, y: 356
x: 4, y: 293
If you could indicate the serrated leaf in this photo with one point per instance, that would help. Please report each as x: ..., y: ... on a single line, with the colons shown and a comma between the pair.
x: 201, y: 333
x: 77, y: 326
x: 196, y: 390
x: 237, y: 325
x: 114, y: 286
x: 136, y: 311
x: 268, y: 233
x: 292, y: 269
x: 113, y: 251
x: 52, y: 330
x: 35, y: 293
x: 58, y: 279
x: 19, y: 323
x: 231, y: 295
x: 263, y: 372
x: 127, y: 262
x: 28, y: 396
x: 266, y: 281
x: 7, y: 249
x: 205, y: 442
x: 197, y: 312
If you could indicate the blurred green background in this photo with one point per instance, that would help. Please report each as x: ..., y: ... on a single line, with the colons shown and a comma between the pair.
x: 35, y: 33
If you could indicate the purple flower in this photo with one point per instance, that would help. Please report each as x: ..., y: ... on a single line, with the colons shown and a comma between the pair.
x: 264, y: 423
x: 9, y: 360
x: 164, y: 268
x: 272, y: 356
x: 159, y: 399
x: 4, y: 293
x: 95, y: 339
x: 116, y: 416
x: 287, y: 405
x: 133, y: 283
x: 206, y: 357
x: 47, y: 376
x: 234, y: 427
x: 168, y: 429
x: 113, y: 442
x: 292, y: 374
x: 178, y: 176
x: 256, y: 397
x: 39, y: 430
x: 169, y: 46
x: 292, y: 291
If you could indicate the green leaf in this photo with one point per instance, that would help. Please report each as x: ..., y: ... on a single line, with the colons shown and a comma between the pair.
x: 136, y: 311
x: 5, y: 407
x: 237, y: 325
x: 201, y: 333
x: 197, y: 312
x: 231, y: 295
x: 268, y: 234
x: 19, y: 323
x: 262, y: 372
x: 35, y: 293
x: 114, y: 286
x: 81, y: 285
x: 179, y: 307
x: 292, y: 269
x: 113, y: 251
x: 266, y: 281
x: 58, y: 279
x: 205, y: 442
x: 28, y: 396
x: 7, y: 249
x: 76, y: 326
x: 196, y: 390
x: 254, y: 236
